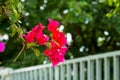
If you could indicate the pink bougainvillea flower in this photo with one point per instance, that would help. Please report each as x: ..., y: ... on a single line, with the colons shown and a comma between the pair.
x: 59, y: 37
x: 56, y: 53
x: 52, y: 26
x: 29, y: 37
x: 2, y: 47
x: 51, y: 51
x: 38, y: 28
x: 55, y: 59
x: 59, y: 49
x: 48, y: 52
x: 41, y: 38
x: 55, y: 56
x: 63, y: 49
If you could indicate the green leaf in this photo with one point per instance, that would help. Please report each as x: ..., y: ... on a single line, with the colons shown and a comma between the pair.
x: 110, y: 2
x: 13, y: 14
x: 48, y: 44
x: 83, y: 27
x: 14, y: 29
x: 36, y: 51
x: 0, y: 62
x: 117, y: 28
x: 13, y: 18
x: 33, y: 44
x: 20, y: 8
x: 20, y: 31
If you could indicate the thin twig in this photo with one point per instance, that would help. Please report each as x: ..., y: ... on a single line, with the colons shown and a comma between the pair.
x: 19, y: 53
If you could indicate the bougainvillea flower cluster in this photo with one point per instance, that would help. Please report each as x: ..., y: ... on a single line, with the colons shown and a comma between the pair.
x: 57, y: 41
x: 37, y: 34
x: 2, y: 47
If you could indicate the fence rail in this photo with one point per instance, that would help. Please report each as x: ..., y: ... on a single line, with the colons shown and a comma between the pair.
x: 104, y: 66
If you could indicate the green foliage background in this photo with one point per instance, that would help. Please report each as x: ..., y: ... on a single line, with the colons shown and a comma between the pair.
x: 86, y: 20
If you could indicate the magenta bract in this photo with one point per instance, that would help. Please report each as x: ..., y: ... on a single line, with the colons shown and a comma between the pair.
x: 2, y: 47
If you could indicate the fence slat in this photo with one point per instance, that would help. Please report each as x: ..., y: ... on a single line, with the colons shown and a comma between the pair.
x: 90, y: 70
x: 31, y: 75
x: 15, y: 76
x: 45, y: 74
x: 98, y: 69
x: 82, y: 70
x: 75, y: 71
x: 106, y: 69
x: 68, y: 72
x: 116, y: 68
x: 23, y: 75
x: 35, y: 75
x: 27, y: 76
x: 62, y: 75
x: 18, y: 76
x: 50, y: 73
x: 56, y: 73
x: 40, y: 74
x: 11, y: 77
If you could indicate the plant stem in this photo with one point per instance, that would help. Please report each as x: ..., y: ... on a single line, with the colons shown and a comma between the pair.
x: 19, y: 53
